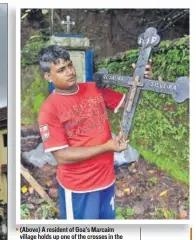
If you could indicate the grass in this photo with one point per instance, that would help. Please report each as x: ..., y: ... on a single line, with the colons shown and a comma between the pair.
x: 172, y: 168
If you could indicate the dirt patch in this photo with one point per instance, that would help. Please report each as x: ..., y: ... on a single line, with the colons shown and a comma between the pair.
x: 150, y: 192
x: 142, y: 192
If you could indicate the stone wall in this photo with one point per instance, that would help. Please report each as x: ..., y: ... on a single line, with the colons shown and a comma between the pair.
x: 109, y: 32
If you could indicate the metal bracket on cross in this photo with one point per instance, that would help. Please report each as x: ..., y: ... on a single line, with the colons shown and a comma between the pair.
x: 179, y: 89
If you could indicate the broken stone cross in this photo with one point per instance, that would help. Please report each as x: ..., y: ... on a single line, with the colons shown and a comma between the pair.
x: 68, y: 23
x: 179, y: 89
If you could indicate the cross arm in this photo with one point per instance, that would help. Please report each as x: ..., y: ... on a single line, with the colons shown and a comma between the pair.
x: 179, y: 89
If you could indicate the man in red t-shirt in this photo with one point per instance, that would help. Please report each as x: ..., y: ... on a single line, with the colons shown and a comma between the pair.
x: 74, y: 126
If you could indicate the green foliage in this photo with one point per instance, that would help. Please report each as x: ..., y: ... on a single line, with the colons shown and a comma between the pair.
x: 33, y: 98
x: 162, y: 213
x: 28, y: 12
x: 48, y: 211
x: 30, y: 52
x: 124, y: 213
x: 24, y: 211
x: 153, y: 180
x: 160, y: 130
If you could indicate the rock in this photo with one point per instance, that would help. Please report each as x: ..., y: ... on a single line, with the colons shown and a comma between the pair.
x: 48, y: 183
x: 49, y: 169
x: 36, y: 200
x: 119, y: 193
x: 139, y: 209
x: 30, y: 206
x: 53, y: 192
x: 29, y: 131
x: 30, y: 138
x: 28, y: 144
x: 131, y: 167
x: 134, y: 170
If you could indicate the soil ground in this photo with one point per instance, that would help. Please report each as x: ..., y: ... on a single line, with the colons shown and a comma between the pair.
x: 142, y: 192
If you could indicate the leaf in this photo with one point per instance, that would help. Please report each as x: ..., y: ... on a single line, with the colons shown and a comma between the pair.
x: 166, y: 214
x: 24, y: 189
x: 119, y: 211
x: 130, y: 212
x: 44, y: 11
x: 153, y: 180
x: 183, y: 214
x: 164, y: 193
x: 36, y: 36
x: 24, y: 16
x: 127, y: 190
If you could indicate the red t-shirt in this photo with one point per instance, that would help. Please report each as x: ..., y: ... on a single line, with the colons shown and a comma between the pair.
x: 80, y: 120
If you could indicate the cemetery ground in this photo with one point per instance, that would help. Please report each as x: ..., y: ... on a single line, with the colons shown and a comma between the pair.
x: 142, y: 192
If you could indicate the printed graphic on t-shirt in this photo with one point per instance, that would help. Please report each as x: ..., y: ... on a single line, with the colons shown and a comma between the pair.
x: 89, y: 114
x: 44, y: 131
x: 81, y: 120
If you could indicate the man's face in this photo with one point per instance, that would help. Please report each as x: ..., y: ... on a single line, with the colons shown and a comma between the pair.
x: 62, y: 74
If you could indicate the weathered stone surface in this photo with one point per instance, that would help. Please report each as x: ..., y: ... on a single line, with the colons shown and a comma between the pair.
x: 30, y: 138
x: 30, y: 206
x: 69, y: 42
x: 36, y: 200
x: 139, y: 208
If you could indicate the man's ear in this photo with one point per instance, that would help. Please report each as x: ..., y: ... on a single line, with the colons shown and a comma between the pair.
x: 47, y: 76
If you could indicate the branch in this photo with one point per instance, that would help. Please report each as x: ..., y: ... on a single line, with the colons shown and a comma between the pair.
x: 163, y: 18
x: 31, y: 180
x: 174, y: 19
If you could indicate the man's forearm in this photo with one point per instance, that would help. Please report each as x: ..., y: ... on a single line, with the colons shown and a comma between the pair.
x: 71, y: 155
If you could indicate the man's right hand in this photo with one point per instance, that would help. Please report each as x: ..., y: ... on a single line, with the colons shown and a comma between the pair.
x: 117, y: 144
x: 71, y: 155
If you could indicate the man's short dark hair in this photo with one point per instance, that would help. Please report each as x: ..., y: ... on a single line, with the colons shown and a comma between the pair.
x: 52, y: 54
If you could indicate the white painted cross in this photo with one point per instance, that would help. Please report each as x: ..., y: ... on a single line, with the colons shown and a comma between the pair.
x: 68, y: 23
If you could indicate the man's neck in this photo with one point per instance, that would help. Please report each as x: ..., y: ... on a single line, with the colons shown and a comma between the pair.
x: 70, y: 91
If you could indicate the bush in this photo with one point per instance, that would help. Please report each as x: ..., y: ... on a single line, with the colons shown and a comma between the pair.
x: 160, y: 130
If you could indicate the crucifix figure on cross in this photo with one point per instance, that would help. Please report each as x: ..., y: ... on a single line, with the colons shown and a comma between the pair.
x: 179, y: 89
